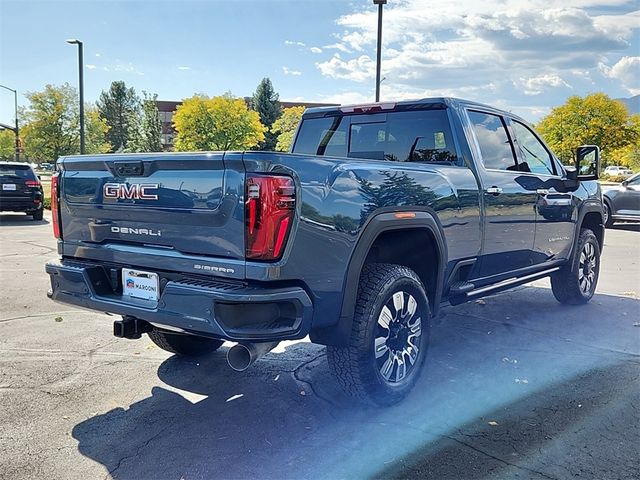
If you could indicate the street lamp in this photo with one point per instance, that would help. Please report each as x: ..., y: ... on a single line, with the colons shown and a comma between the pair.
x: 16, y: 131
x: 74, y: 41
x: 380, y: 3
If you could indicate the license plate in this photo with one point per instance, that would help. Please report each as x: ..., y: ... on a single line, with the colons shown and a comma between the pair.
x: 9, y: 186
x: 139, y: 284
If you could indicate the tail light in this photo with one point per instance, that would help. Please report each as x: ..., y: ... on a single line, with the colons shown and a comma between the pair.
x: 32, y: 183
x: 269, y: 211
x: 55, y: 207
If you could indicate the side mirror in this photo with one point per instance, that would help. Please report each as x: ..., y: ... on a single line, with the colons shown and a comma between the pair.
x: 588, y: 162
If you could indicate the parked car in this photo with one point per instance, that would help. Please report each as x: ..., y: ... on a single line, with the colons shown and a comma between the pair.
x: 622, y: 202
x: 20, y: 189
x: 617, y: 171
x: 380, y: 214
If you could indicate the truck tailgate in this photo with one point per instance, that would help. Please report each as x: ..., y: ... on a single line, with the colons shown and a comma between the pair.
x: 185, y: 206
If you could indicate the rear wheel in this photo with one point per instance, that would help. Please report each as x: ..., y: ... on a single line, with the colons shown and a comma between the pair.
x: 38, y: 215
x: 389, y: 338
x: 576, y: 282
x: 185, y: 345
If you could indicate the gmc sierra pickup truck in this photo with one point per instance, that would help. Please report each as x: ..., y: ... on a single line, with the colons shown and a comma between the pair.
x: 379, y: 215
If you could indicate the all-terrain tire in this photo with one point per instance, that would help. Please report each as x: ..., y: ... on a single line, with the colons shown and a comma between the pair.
x: 356, y: 366
x: 575, y: 283
x: 185, y: 345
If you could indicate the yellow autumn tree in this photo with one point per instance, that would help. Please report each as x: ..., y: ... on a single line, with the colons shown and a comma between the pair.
x: 629, y: 156
x: 218, y: 123
x: 285, y: 127
x: 592, y: 120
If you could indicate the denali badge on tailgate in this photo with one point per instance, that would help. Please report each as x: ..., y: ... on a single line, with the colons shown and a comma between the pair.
x: 133, y: 191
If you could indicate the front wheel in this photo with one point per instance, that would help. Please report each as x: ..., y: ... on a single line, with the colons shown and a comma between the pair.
x: 389, y: 337
x: 575, y: 283
x: 608, y: 214
x: 182, y: 344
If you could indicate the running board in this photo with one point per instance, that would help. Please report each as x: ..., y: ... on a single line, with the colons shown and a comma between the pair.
x: 500, y: 286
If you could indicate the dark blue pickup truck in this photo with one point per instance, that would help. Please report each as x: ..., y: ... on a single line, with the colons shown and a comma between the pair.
x: 380, y: 214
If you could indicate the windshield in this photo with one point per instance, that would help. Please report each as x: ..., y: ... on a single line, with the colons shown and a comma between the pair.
x: 418, y: 136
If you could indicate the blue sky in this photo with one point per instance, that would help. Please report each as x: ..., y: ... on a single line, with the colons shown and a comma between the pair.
x: 526, y: 56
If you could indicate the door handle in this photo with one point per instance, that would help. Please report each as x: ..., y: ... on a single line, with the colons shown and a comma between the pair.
x: 542, y: 191
x: 494, y: 190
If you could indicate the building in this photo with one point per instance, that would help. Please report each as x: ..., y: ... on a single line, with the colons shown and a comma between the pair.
x: 166, y: 109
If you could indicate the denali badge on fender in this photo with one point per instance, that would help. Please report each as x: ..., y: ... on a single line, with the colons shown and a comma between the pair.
x: 133, y: 191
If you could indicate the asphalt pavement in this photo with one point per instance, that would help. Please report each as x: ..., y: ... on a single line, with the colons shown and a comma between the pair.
x: 516, y: 386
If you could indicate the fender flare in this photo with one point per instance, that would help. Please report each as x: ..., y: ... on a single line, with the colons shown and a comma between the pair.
x: 587, y: 207
x: 424, y: 219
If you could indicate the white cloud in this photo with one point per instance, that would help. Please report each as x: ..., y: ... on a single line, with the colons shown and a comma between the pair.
x: 98, y: 55
x: 315, y: 50
x: 357, y: 69
x: 297, y: 44
x: 288, y: 71
x: 538, y: 84
x: 122, y: 67
x: 90, y: 66
x: 626, y: 71
x: 184, y: 67
x: 488, y: 49
x: 337, y: 46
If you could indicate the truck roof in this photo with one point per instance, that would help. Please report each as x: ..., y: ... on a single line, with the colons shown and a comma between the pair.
x: 391, y: 104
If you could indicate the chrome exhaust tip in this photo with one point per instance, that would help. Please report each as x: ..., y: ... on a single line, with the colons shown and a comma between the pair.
x: 242, y: 355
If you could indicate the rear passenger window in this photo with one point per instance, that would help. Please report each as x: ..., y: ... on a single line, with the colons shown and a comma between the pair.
x: 495, y: 146
x: 418, y: 136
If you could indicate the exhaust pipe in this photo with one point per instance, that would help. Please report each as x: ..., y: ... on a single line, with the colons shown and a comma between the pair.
x: 242, y: 355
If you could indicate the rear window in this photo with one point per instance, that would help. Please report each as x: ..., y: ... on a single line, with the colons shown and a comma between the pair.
x: 17, y: 171
x: 418, y: 136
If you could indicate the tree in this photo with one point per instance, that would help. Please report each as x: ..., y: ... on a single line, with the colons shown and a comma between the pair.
x: 266, y: 102
x: 285, y: 127
x: 95, y: 131
x: 119, y: 107
x: 595, y: 119
x: 51, y: 125
x: 146, y: 130
x: 630, y: 155
x: 218, y: 123
x: 7, y: 145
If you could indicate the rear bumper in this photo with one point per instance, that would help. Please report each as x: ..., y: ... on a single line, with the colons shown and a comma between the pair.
x: 213, y: 308
x: 20, y: 205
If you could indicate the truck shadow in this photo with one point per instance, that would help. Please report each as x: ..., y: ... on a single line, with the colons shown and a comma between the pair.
x: 15, y: 220
x: 514, y: 359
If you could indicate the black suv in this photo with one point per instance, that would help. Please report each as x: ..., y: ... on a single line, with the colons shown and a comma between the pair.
x: 20, y: 189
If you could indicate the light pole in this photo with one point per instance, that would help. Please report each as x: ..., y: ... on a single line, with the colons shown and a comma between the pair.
x: 17, y: 130
x: 74, y: 41
x: 380, y: 3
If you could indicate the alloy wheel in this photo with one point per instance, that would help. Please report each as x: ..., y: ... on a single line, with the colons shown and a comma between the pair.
x: 397, y: 337
x: 587, y: 268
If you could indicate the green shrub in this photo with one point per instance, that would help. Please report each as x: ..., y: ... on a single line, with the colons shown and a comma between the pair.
x: 47, y: 203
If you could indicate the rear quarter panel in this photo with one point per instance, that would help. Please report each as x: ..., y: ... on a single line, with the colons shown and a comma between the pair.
x: 338, y: 197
